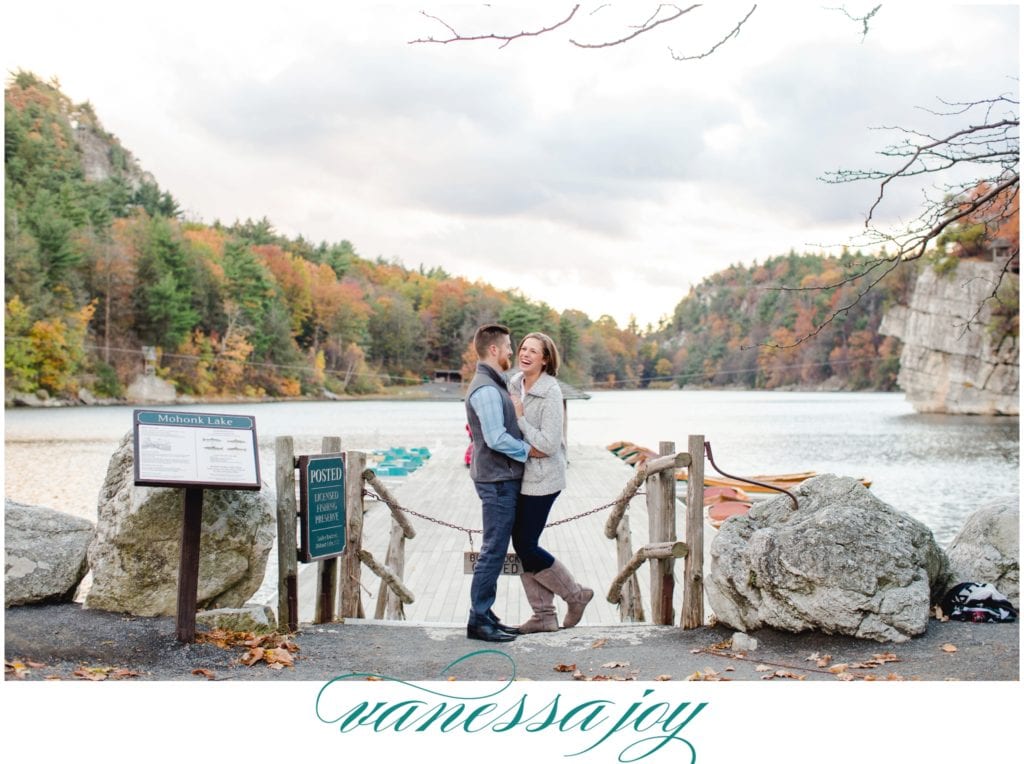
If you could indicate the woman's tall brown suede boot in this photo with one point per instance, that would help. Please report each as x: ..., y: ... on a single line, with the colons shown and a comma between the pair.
x: 558, y: 579
x: 542, y: 601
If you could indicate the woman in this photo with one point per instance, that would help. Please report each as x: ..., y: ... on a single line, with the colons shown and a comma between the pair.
x: 540, y: 415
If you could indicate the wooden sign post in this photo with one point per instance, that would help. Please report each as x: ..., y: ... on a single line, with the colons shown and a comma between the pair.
x: 194, y: 451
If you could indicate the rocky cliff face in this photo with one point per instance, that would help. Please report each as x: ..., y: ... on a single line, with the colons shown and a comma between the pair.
x: 946, y: 366
x: 98, y: 150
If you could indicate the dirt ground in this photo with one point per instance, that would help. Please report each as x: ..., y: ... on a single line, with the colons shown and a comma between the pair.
x: 67, y: 642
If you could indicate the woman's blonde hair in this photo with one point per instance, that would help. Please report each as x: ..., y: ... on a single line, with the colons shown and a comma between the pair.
x: 550, y: 351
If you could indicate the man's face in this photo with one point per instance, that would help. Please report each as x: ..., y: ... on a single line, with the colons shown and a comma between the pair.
x: 504, y: 347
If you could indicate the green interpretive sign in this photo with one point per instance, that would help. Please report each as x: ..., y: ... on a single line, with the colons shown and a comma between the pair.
x: 322, y: 506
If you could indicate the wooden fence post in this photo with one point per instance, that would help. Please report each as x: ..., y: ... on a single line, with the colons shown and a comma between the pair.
x: 693, y: 568
x: 388, y: 603
x: 350, y: 601
x: 631, y: 607
x: 327, y: 570
x: 661, y: 515
x: 287, y: 557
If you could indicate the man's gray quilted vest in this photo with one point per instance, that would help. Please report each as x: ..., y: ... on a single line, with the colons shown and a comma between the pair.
x: 488, y: 465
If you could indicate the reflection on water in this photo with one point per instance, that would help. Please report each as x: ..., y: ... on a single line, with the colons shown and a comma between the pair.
x: 937, y: 468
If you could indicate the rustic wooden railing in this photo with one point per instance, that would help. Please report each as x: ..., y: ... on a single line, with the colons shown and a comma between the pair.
x: 339, y: 578
x: 342, y: 579
x: 658, y: 475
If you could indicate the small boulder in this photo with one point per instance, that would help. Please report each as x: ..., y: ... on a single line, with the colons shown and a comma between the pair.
x: 845, y: 562
x: 987, y: 549
x: 136, y: 553
x: 44, y: 554
x: 258, y: 619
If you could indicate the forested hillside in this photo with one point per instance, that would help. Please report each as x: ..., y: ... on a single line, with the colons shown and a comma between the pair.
x: 100, y: 263
x: 780, y: 324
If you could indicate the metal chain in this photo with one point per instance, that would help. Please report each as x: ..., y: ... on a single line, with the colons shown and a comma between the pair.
x: 470, y: 531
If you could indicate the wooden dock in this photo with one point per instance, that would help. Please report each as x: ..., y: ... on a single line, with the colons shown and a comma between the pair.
x: 442, y: 489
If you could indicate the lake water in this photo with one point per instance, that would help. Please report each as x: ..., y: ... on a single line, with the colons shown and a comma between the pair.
x: 937, y: 468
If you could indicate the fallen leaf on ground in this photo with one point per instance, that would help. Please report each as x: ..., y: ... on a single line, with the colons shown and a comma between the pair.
x: 565, y: 668
x: 663, y: 678
x: 579, y: 675
x: 93, y: 673
x: 203, y: 672
x: 948, y: 648
x: 839, y: 668
x: 789, y: 675
x: 278, y: 656
x: 708, y: 675
x: 600, y: 642
x: 16, y: 668
x: 252, y: 657
x: 845, y: 676
x: 615, y: 664
x: 762, y: 667
x: 725, y: 645
x: 885, y: 657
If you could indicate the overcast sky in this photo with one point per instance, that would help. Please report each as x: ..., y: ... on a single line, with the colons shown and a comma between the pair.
x: 606, y: 180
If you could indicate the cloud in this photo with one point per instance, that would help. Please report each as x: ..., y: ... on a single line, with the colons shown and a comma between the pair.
x: 605, y: 180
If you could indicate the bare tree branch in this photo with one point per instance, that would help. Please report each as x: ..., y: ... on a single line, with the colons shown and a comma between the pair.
x: 993, y: 296
x: 647, y: 26
x: 893, y: 264
x: 987, y: 197
x: 665, y: 13
x: 734, y: 33
x: 506, y: 39
x: 835, y: 285
x: 864, y: 19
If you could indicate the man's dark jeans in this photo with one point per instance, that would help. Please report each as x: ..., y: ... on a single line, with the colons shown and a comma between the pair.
x: 499, y: 514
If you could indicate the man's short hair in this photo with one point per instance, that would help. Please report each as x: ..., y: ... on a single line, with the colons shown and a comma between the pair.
x: 486, y: 336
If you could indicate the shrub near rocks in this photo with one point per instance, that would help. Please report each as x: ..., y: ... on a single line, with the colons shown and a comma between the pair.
x: 845, y: 562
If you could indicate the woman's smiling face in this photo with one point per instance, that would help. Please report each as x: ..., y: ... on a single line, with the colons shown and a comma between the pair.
x: 531, y: 356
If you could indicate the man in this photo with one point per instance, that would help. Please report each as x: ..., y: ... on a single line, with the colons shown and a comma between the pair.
x: 499, y: 453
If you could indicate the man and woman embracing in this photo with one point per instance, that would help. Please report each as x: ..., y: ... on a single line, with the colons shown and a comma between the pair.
x: 518, y: 469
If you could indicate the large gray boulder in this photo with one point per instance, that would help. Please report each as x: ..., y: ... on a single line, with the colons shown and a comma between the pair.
x: 44, y: 554
x: 987, y: 549
x: 843, y: 563
x: 136, y: 552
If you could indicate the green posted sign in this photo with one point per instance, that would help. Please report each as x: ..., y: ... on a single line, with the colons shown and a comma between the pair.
x: 322, y: 510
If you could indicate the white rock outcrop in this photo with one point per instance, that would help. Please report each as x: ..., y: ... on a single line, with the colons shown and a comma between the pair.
x: 946, y: 367
x: 987, y: 549
x: 845, y: 562
x: 44, y: 554
x: 136, y: 552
